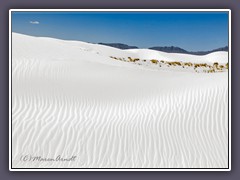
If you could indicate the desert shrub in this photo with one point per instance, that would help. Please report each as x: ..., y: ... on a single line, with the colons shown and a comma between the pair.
x: 221, y: 66
x: 188, y: 64
x: 215, y: 64
x: 113, y: 57
x: 154, y: 61
x: 200, y: 65
x: 176, y: 63
x: 130, y: 59
x: 203, y: 65
x: 227, y: 66
x: 196, y: 65
x: 144, y: 60
x: 133, y: 59
x: 211, y: 70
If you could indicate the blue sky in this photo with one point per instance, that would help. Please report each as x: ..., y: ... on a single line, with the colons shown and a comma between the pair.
x: 193, y: 31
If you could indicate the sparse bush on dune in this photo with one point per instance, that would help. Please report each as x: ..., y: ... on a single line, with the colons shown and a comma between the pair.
x: 209, y: 66
x: 188, y: 64
x: 196, y: 65
x: 133, y: 59
x: 129, y: 58
x: 200, y: 65
x: 154, y: 61
x: 215, y: 64
x: 227, y: 66
x: 211, y: 70
x: 175, y: 63
x: 123, y: 59
x: 203, y: 65
x: 206, y: 67
x: 221, y: 66
x: 114, y: 57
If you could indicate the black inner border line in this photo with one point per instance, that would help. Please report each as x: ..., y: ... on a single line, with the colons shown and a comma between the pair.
x: 115, y: 10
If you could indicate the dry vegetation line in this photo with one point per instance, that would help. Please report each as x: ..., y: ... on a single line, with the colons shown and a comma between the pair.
x: 206, y: 68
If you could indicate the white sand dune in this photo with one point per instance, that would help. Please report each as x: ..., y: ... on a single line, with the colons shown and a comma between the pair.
x: 70, y: 98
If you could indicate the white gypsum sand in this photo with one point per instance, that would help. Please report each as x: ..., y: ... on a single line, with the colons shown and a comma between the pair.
x: 69, y: 98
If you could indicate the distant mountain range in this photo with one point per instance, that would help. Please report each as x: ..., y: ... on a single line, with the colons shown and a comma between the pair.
x: 173, y: 49
x: 119, y: 45
x: 168, y: 49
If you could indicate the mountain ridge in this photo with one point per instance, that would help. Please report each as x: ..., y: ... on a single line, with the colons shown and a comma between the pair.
x: 168, y: 49
x: 119, y: 45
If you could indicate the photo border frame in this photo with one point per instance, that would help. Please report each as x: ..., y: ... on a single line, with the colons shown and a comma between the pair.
x: 119, y: 169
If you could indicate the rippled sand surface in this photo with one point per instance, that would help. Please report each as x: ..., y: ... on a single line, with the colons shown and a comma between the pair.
x: 68, y: 100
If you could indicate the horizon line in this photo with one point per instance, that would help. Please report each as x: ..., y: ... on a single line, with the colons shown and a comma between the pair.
x: 121, y: 43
